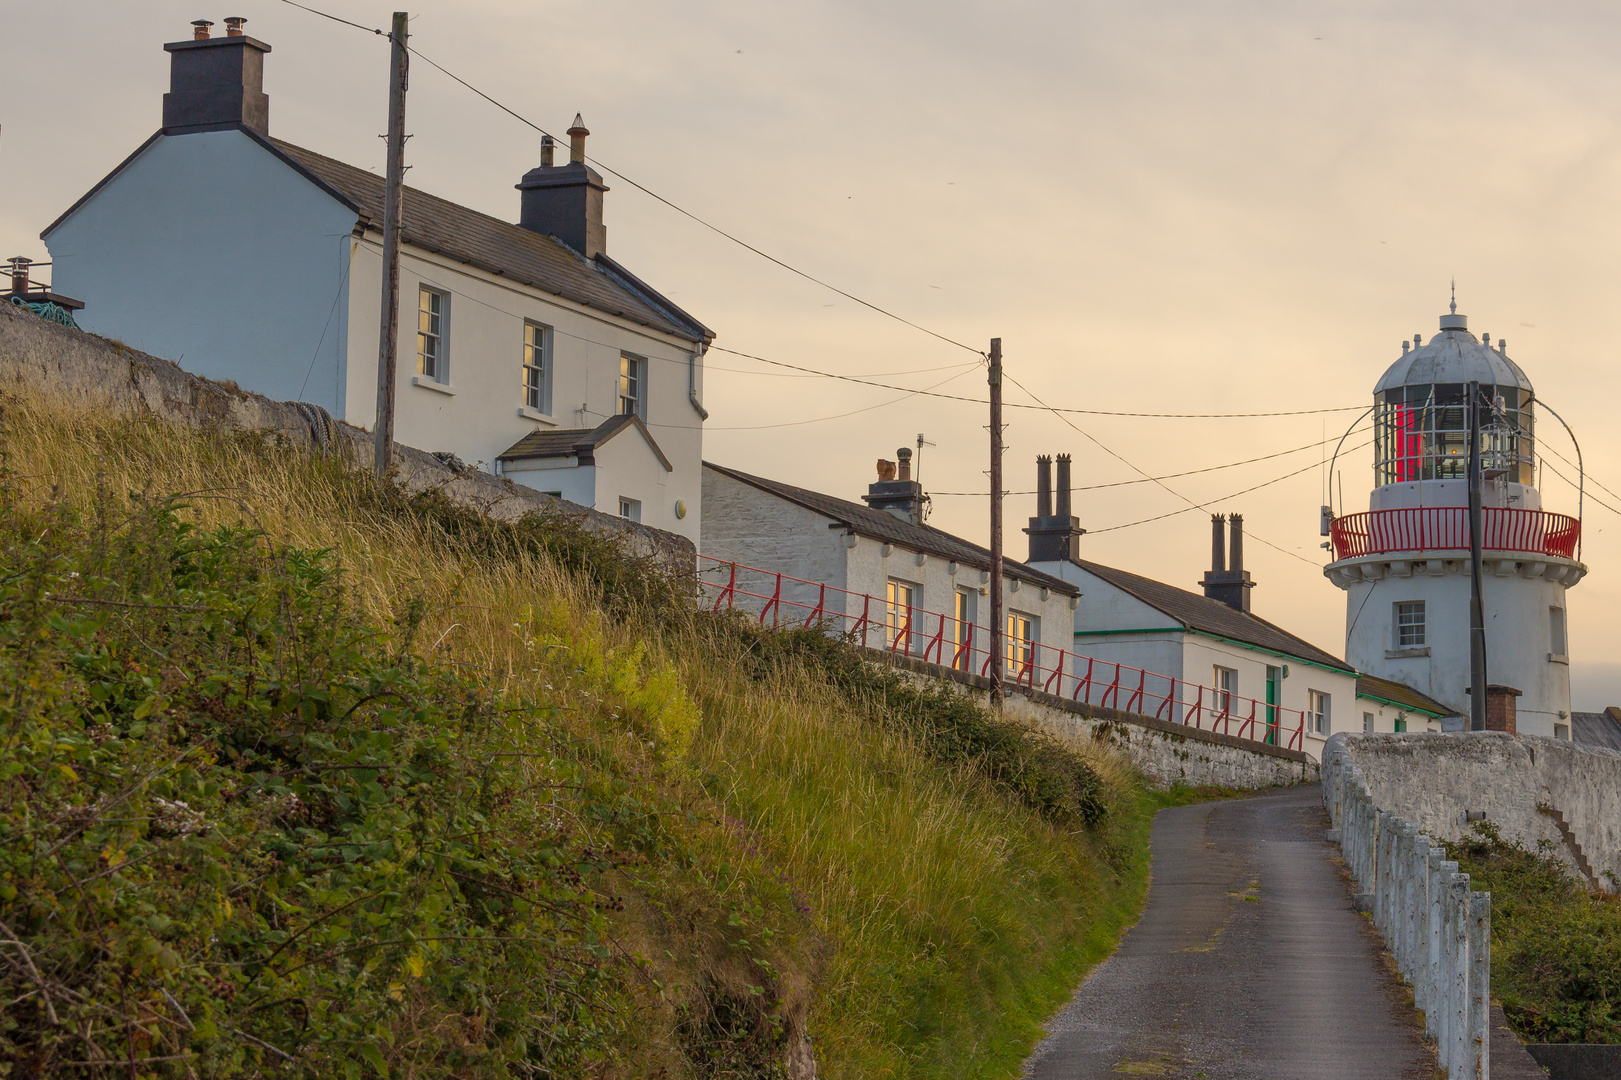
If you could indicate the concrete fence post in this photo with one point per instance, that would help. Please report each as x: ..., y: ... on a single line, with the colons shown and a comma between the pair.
x: 1458, y: 955
x: 1409, y: 898
x: 1441, y: 916
x: 1480, y: 983
x: 1424, y: 857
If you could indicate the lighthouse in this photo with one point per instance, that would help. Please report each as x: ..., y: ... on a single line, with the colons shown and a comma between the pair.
x: 1405, y: 563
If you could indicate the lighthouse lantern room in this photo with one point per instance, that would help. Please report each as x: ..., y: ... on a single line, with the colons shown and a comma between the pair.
x: 1405, y: 563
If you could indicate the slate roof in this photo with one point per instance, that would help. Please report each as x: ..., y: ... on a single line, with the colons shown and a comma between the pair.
x: 1400, y: 695
x: 478, y: 240
x: 579, y: 442
x: 886, y: 527
x: 500, y: 247
x: 1195, y: 611
x: 1597, y: 728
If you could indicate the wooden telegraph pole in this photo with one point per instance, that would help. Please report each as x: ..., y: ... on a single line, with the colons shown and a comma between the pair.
x: 389, y: 331
x: 1477, y: 609
x: 996, y: 523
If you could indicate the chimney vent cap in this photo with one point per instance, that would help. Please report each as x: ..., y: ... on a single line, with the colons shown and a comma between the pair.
x: 199, y: 29
x: 233, y: 26
x: 578, y: 127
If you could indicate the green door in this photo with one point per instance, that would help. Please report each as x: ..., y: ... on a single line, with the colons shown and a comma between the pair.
x: 1273, y: 678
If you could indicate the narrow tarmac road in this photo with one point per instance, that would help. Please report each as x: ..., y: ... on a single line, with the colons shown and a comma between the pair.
x: 1248, y: 964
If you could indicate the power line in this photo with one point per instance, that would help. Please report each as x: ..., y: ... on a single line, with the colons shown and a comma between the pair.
x: 1042, y: 408
x: 334, y: 18
x: 1224, y: 498
x: 1118, y: 457
x: 1148, y: 480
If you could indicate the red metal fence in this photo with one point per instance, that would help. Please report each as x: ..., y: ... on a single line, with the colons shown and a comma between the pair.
x: 779, y: 600
x: 1446, y: 528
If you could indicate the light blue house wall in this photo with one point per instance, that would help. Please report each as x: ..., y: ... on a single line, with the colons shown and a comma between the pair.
x: 211, y: 252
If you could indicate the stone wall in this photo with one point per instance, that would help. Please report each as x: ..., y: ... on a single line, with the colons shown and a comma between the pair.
x: 1532, y: 789
x: 1165, y: 753
x: 41, y: 355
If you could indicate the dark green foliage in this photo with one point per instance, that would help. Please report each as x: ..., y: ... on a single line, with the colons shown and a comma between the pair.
x: 242, y: 831
x: 1556, y: 946
x: 947, y: 723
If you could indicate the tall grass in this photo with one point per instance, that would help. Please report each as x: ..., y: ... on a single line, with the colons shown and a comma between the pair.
x: 823, y: 872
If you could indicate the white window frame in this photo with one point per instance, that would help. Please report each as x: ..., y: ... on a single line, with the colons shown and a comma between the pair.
x: 632, y: 376
x: 440, y: 334
x: 630, y: 509
x: 1224, y: 683
x: 1021, y: 633
x: 537, y: 367
x: 900, y: 611
x: 1367, y: 721
x: 1320, y: 712
x: 1411, y: 633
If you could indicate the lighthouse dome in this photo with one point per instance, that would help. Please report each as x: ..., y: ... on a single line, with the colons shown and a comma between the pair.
x: 1453, y: 356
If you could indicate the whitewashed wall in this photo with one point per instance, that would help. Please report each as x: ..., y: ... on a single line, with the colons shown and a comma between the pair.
x: 1517, y: 640
x: 483, y: 414
x: 209, y: 251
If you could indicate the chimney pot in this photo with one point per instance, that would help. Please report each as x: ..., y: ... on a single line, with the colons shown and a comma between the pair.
x: 233, y: 26
x: 886, y: 470
x: 576, y: 141
x: 547, y: 147
x: 199, y: 29
x: 1235, y: 546
x: 1218, y: 543
x: 19, y: 272
x: 1063, y: 510
x: 904, y: 455
x: 1044, y: 486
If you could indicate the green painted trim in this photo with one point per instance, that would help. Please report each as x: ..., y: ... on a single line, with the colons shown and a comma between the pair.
x: 1145, y: 630
x: 1402, y: 705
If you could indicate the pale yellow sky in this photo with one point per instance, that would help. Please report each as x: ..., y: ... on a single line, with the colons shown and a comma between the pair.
x: 1170, y: 206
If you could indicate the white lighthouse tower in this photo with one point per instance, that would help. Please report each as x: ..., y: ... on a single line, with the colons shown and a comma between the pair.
x: 1405, y: 563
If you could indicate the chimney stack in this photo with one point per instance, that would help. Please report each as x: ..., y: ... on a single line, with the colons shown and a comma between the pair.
x: 1054, y: 537
x: 1227, y: 580
x: 1502, y: 711
x: 216, y: 83
x: 896, y: 492
x: 565, y: 201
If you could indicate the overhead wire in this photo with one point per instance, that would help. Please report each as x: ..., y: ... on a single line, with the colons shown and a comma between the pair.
x: 1143, y: 472
x: 1149, y: 480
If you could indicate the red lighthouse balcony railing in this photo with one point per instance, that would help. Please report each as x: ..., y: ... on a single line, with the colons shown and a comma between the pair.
x: 1446, y: 528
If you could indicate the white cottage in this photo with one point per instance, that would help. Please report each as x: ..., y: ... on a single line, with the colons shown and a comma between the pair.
x: 523, y: 347
x: 1204, y: 658
x: 795, y: 555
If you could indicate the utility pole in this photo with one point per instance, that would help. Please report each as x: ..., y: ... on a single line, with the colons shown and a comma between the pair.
x: 388, y: 337
x: 1477, y: 609
x: 996, y: 523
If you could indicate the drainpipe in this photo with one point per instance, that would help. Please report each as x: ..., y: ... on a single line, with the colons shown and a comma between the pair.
x: 692, y: 381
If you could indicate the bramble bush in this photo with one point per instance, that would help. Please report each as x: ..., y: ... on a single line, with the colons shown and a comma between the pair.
x: 241, y: 830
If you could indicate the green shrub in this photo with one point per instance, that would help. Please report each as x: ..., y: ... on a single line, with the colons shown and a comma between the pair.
x: 240, y: 827
x: 1556, y: 946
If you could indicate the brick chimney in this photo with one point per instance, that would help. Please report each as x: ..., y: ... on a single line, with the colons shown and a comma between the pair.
x: 1227, y: 580
x: 216, y: 82
x: 1501, y: 708
x: 1055, y: 536
x: 896, y: 492
x: 565, y: 201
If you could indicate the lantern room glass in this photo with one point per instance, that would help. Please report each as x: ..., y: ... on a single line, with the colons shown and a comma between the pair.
x: 1422, y: 433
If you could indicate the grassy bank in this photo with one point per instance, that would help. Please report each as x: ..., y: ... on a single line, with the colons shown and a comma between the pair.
x: 1556, y: 945
x: 301, y: 774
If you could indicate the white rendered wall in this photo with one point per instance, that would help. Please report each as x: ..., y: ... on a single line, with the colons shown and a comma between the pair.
x: 210, y: 251
x: 564, y: 477
x: 750, y: 526
x: 482, y: 413
x: 1416, y: 493
x: 1518, y: 642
